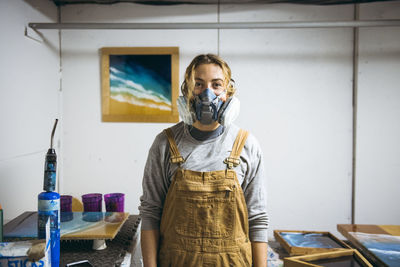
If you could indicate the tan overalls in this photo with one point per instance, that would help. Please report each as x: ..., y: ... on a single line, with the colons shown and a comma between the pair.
x: 204, y: 220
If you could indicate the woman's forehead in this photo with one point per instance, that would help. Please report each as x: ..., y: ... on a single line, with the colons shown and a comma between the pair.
x: 209, y: 71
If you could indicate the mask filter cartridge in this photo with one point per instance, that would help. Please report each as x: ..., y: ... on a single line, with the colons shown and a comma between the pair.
x: 206, y: 106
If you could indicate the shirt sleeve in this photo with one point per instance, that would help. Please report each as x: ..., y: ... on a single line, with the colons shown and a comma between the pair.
x: 155, y: 184
x: 255, y: 192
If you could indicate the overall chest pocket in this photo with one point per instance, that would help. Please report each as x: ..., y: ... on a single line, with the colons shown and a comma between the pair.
x: 206, y: 211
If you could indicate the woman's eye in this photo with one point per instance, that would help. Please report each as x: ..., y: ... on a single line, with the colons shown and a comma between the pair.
x: 197, y: 85
x: 217, y: 85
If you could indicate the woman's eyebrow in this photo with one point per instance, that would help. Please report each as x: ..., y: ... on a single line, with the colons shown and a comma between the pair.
x: 215, y: 79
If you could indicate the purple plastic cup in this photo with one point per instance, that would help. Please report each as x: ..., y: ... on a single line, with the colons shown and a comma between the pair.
x: 92, y: 202
x: 66, y: 208
x: 66, y: 203
x: 114, y: 202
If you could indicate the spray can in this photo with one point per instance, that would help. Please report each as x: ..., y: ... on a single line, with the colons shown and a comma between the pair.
x: 49, y: 204
x: 49, y: 209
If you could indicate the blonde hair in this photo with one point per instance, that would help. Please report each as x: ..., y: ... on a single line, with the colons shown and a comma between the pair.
x: 188, y: 84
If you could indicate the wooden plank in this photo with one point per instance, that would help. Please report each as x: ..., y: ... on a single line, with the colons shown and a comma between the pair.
x: 106, y: 227
x: 391, y: 229
x: 301, y: 261
x: 362, y: 228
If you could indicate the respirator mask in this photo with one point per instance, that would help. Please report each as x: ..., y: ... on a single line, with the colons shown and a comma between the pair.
x: 208, y: 107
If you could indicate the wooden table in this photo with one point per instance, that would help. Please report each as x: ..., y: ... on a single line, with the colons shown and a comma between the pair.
x: 380, y: 244
x: 76, y: 225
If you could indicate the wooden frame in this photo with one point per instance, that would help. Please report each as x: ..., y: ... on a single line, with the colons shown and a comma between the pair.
x: 140, y: 84
x: 376, y: 232
x: 293, y: 250
x: 304, y: 261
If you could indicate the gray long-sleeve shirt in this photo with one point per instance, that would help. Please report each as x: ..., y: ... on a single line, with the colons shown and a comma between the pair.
x: 205, y: 156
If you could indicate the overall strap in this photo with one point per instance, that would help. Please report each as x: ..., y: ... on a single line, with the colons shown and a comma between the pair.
x: 233, y: 159
x: 173, y: 148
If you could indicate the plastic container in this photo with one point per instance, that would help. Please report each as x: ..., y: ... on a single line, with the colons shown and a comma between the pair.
x: 66, y: 208
x: 92, y: 202
x: 92, y: 207
x: 66, y: 203
x: 114, y: 202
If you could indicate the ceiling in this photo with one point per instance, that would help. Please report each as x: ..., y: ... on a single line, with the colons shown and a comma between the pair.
x: 177, y: 2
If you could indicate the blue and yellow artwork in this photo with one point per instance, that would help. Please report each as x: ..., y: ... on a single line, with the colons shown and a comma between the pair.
x: 74, y: 225
x: 140, y: 84
x: 385, y: 247
x: 312, y: 240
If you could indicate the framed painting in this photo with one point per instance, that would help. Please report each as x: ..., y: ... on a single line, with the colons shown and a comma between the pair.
x: 308, y: 242
x: 140, y: 84
x: 380, y: 244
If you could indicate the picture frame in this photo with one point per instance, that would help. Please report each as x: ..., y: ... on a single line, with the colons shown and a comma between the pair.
x: 348, y: 257
x: 140, y: 84
x: 378, y: 243
x: 308, y: 242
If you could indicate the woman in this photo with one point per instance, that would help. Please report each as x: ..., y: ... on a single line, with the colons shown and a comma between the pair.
x: 204, y: 201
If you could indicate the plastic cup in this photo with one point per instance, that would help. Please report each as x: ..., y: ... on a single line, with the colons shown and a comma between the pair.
x: 92, y: 207
x: 114, y: 202
x: 92, y: 202
x: 66, y: 203
x: 66, y: 208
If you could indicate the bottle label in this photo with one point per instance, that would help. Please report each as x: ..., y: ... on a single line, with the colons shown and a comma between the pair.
x: 48, y: 205
x: 48, y: 210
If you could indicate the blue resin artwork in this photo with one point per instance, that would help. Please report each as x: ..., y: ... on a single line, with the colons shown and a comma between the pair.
x: 140, y: 84
x: 313, y: 240
x: 385, y: 247
x: 75, y: 225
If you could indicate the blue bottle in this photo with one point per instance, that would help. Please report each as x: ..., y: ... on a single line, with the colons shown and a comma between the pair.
x: 49, y: 208
x: 49, y: 204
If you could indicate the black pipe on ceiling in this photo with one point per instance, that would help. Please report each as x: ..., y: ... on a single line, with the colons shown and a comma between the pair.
x: 205, y: 2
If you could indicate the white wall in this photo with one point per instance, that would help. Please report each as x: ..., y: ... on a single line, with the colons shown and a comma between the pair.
x: 29, y: 102
x: 378, y: 129
x: 295, y: 86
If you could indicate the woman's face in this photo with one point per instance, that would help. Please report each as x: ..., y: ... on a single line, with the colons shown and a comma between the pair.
x: 209, y: 76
